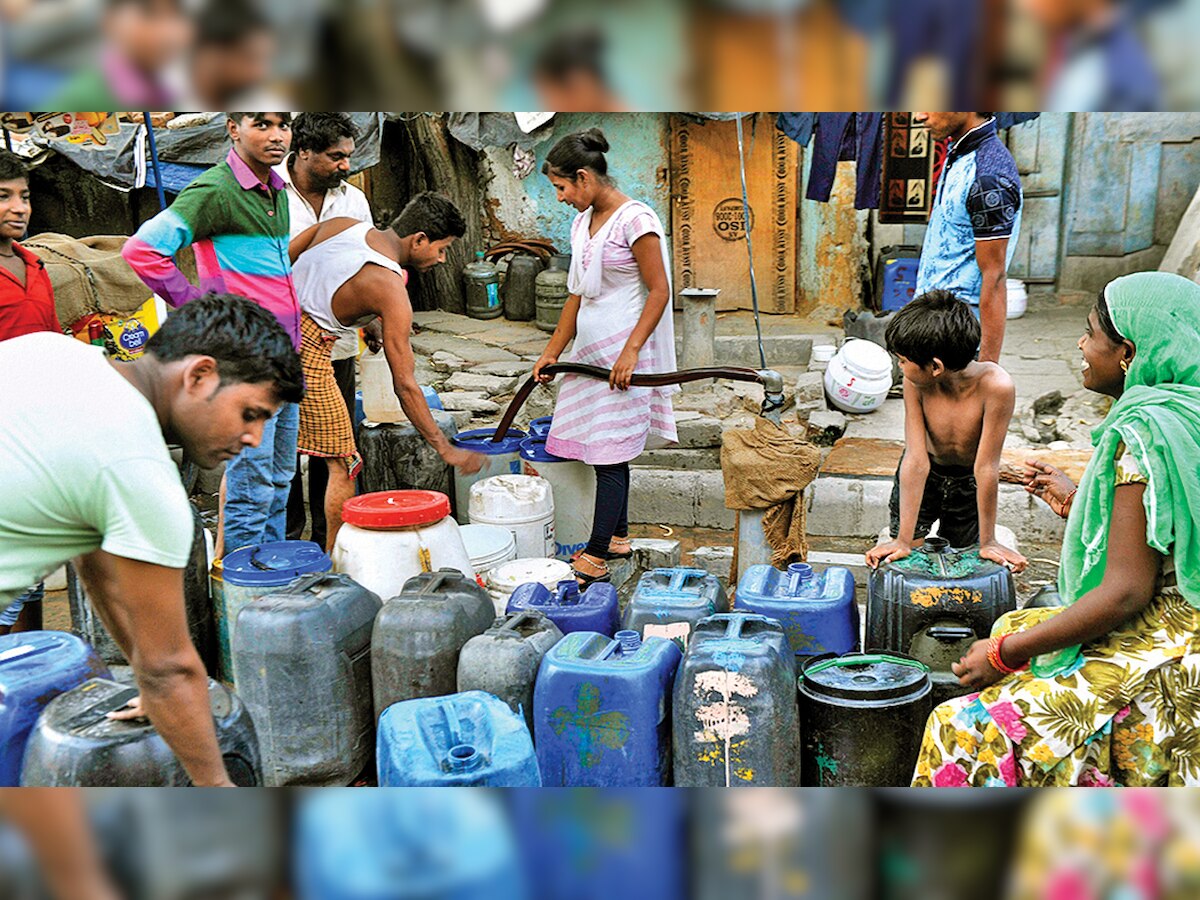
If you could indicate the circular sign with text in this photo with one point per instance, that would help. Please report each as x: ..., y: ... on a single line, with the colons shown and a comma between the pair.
x: 729, y: 220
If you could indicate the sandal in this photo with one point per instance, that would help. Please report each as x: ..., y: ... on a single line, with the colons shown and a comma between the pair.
x: 584, y: 578
x: 626, y: 551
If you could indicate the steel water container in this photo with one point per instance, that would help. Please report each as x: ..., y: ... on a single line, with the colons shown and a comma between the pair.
x: 572, y: 610
x: 816, y: 609
x: 419, y: 633
x: 504, y: 660
x: 463, y: 740
x: 602, y: 711
x: 669, y: 602
x: 75, y: 745
x: 302, y: 666
x: 736, y: 720
x: 201, y: 619
x: 861, y: 719
x: 35, y: 667
x: 933, y: 604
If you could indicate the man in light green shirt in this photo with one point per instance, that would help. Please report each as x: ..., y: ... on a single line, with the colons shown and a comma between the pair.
x: 85, y: 475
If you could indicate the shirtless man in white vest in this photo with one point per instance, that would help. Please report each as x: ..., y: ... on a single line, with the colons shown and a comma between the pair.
x: 347, y: 274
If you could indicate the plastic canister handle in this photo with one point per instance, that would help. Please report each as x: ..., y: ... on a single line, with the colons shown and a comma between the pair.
x: 680, y: 578
x: 308, y: 582
x: 509, y: 628
x: 438, y: 579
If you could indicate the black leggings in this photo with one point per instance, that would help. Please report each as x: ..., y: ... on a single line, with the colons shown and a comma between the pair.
x: 612, y: 508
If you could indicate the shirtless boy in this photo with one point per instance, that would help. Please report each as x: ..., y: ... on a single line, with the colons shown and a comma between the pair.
x: 956, y: 414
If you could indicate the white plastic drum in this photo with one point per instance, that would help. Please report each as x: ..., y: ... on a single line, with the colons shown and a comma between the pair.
x: 390, y: 536
x: 859, y: 376
x: 505, y: 579
x: 524, y: 504
x: 380, y: 403
x: 488, y: 546
x: 573, y: 485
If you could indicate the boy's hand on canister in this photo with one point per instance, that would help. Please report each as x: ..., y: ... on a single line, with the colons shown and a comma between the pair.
x: 998, y: 553
x: 544, y: 360
x: 888, y: 551
x: 466, y: 462
x: 622, y: 370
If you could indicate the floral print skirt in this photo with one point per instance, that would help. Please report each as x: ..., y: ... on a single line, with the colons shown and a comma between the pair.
x: 1127, y: 712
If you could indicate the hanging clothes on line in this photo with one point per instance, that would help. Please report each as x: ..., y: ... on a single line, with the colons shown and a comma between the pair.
x: 838, y: 137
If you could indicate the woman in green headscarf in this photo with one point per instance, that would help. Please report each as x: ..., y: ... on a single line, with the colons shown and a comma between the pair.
x: 1113, y: 692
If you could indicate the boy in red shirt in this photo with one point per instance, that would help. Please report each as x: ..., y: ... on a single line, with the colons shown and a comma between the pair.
x: 26, y: 306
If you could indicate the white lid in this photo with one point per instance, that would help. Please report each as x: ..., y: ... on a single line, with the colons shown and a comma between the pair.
x: 510, y: 497
x: 509, y: 576
x: 866, y: 359
x: 823, y: 352
x: 486, y: 541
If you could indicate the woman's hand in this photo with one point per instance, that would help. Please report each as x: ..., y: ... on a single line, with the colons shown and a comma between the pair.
x: 888, y: 551
x: 973, y: 670
x: 622, y: 370
x: 997, y: 552
x: 1049, y: 484
x: 546, y: 359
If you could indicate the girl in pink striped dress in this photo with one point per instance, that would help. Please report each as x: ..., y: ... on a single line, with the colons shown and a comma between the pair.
x: 618, y: 316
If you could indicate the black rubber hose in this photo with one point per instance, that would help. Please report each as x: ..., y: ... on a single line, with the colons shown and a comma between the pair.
x: 659, y: 379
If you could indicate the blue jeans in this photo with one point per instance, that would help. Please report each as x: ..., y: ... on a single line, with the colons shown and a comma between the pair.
x: 258, y: 481
x: 8, y: 618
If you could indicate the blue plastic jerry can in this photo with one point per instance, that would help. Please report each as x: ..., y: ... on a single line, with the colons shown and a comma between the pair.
x: 468, y: 739
x: 669, y: 602
x: 572, y: 610
x: 35, y: 667
x: 602, y: 710
x: 816, y: 609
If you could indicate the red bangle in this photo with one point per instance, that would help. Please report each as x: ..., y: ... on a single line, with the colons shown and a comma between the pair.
x: 996, y: 660
x: 1067, y: 503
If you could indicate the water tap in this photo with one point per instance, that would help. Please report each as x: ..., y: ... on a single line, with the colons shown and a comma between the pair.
x: 772, y: 405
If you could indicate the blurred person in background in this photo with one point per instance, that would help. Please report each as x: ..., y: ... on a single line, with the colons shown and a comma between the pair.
x: 232, y: 59
x: 975, y: 221
x: 1097, y: 60
x: 569, y: 74
x: 141, y: 40
x: 26, y: 307
x: 315, y: 174
x: 1103, y: 691
x: 55, y: 825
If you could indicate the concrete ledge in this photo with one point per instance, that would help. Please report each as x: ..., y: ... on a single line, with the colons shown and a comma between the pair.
x: 671, y: 497
x: 858, y: 507
x: 781, y: 350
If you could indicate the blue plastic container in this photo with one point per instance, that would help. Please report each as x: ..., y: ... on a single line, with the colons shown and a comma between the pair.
x: 463, y: 740
x: 602, y: 711
x: 359, y: 415
x: 539, y: 428
x: 816, y: 609
x: 503, y: 458
x: 405, y: 845
x: 35, y: 667
x: 253, y: 572
x: 669, y: 602
x: 572, y: 610
x: 896, y: 277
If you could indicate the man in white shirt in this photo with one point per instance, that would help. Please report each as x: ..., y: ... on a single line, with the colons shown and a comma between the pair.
x: 317, y: 191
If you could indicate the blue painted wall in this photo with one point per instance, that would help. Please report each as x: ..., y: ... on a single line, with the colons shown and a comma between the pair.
x: 638, y: 159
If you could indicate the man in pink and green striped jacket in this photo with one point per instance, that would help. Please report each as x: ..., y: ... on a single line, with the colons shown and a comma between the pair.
x: 236, y: 217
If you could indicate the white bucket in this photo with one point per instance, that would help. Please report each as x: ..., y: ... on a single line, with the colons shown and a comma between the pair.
x: 1018, y: 298
x: 506, y: 578
x: 823, y: 353
x: 859, y: 376
x: 488, y: 546
x: 524, y: 504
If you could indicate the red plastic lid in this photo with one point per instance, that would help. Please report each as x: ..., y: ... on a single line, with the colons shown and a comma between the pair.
x: 396, y: 509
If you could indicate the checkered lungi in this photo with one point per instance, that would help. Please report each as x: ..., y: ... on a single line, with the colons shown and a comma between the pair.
x: 325, y: 427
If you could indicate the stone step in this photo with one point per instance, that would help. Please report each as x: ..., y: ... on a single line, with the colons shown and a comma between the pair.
x: 780, y: 350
